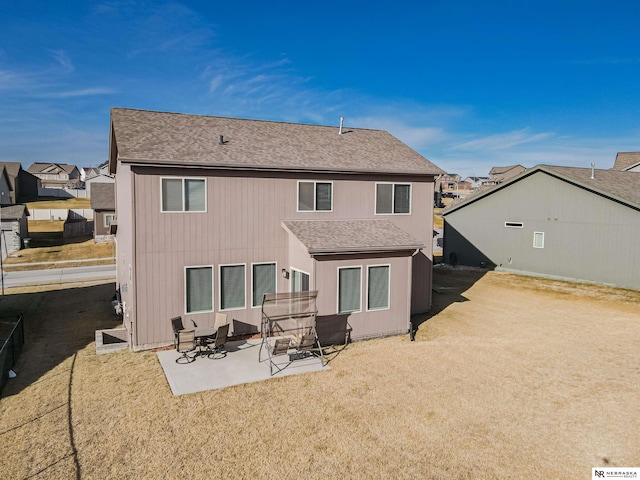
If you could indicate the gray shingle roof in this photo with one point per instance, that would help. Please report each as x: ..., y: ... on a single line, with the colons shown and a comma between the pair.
x: 39, y: 167
x: 103, y: 196
x: 618, y: 185
x: 347, y: 236
x: 143, y: 136
x: 625, y: 160
x: 14, y: 212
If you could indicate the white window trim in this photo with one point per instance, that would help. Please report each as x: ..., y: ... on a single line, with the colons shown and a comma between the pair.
x: 183, y: 197
x: 276, y: 279
x: 315, y: 182
x: 244, y: 265
x: 113, y: 215
x: 338, y: 290
x: 393, y: 196
x: 185, y: 290
x: 388, y: 307
x: 510, y: 224
x: 292, y: 269
x: 534, y: 239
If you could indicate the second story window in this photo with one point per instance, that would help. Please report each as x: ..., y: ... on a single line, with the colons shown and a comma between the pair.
x: 184, y: 195
x: 315, y: 196
x: 393, y: 198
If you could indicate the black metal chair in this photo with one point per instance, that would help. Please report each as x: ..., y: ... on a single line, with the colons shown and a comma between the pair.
x: 176, y: 325
x: 186, y: 343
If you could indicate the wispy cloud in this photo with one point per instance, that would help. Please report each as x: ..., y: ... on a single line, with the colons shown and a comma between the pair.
x: 503, y: 141
x: 83, y: 92
x: 63, y: 60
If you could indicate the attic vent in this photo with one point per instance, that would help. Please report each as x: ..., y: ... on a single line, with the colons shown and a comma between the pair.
x: 514, y: 224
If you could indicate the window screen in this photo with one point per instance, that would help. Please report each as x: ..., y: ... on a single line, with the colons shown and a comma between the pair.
x: 299, y: 281
x: 378, y: 287
x: 323, y: 196
x: 171, y: 194
x: 264, y: 281
x: 401, y: 198
x: 199, y: 289
x: 384, y: 198
x: 232, y: 284
x: 306, y: 196
x: 349, y: 289
x: 194, y: 195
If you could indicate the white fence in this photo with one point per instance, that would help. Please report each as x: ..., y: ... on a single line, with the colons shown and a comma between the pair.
x: 61, y: 214
x: 62, y: 192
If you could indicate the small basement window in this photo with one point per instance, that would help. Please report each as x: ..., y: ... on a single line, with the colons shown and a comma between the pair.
x: 514, y: 224
x: 538, y: 239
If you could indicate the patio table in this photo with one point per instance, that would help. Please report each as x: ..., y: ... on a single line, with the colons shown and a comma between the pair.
x: 202, y: 334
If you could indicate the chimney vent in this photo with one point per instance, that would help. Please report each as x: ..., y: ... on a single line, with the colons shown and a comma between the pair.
x: 593, y: 170
x: 341, y: 121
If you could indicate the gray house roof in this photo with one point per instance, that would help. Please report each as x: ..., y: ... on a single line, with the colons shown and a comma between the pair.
x: 160, y: 138
x: 621, y: 186
x: 350, y: 236
x: 625, y: 160
x: 42, y: 167
x: 103, y: 196
x: 14, y: 212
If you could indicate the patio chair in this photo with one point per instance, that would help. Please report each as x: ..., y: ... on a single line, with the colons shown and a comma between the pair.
x: 176, y: 325
x: 186, y: 343
x: 280, y: 346
x: 217, y: 349
x: 221, y: 319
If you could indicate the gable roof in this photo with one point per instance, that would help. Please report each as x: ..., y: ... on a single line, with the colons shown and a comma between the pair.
x: 103, y: 196
x: 161, y: 138
x: 43, y: 167
x: 501, y: 170
x: 621, y: 186
x: 626, y: 160
x: 350, y: 236
x: 14, y: 212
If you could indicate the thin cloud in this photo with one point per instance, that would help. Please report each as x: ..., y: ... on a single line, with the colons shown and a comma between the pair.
x: 84, y: 92
x: 61, y: 57
x: 503, y: 141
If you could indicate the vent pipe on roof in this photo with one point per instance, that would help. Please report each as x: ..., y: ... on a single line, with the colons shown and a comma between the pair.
x: 341, y: 121
x: 221, y: 140
x: 593, y: 170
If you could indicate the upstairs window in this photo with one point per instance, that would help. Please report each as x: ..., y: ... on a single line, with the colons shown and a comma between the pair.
x: 393, y: 198
x: 315, y: 196
x: 184, y: 195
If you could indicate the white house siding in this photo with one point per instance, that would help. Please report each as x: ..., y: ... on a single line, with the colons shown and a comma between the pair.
x: 586, y: 236
x: 242, y: 225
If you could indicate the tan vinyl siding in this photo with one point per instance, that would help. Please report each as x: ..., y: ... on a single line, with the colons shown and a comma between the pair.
x: 242, y: 224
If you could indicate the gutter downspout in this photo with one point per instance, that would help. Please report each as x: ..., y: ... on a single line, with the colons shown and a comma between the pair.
x: 412, y: 329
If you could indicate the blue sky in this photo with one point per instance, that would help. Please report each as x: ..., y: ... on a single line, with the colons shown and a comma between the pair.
x: 467, y: 84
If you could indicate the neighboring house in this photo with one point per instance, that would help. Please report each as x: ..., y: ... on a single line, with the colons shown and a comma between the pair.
x: 499, y: 175
x: 103, y: 203
x: 566, y: 222
x: 476, y: 182
x: 214, y: 212
x: 22, y: 185
x: 14, y: 228
x: 6, y: 191
x: 627, y: 161
x: 100, y: 178
x: 56, y: 175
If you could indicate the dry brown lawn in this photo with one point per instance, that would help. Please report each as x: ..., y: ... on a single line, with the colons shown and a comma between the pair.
x: 511, y: 377
x: 61, y: 203
x: 76, y: 249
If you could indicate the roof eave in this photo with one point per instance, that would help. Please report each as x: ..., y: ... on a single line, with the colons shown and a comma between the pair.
x: 363, y: 250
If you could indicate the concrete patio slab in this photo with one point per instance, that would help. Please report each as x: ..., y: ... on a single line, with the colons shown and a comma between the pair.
x: 241, y: 365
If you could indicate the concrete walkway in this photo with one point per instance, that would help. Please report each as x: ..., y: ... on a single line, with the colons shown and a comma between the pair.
x: 56, y: 276
x: 241, y: 365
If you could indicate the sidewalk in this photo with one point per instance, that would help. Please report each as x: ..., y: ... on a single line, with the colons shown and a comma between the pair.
x: 86, y: 260
x: 57, y: 276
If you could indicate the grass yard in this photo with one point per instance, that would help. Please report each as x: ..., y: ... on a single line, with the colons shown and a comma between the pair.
x: 510, y: 377
x: 61, y: 203
x: 76, y: 249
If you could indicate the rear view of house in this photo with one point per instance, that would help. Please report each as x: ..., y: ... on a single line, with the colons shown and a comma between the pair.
x: 215, y: 212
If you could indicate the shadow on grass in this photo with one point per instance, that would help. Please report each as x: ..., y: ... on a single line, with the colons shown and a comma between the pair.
x: 57, y: 324
x: 449, y: 284
x: 54, y: 239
